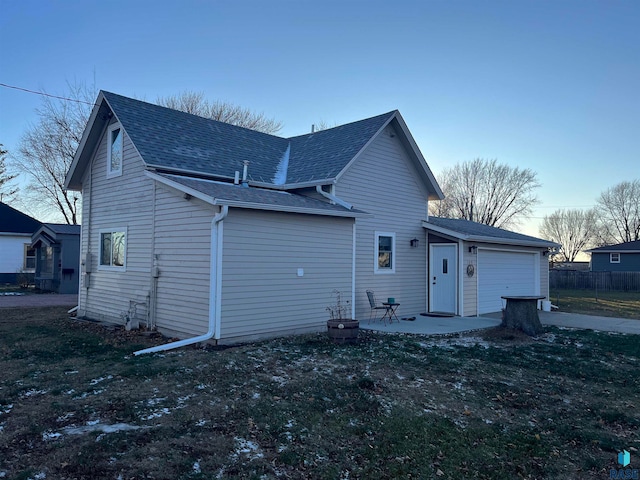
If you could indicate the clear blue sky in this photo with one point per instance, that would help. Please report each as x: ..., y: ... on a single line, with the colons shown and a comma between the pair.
x: 549, y: 85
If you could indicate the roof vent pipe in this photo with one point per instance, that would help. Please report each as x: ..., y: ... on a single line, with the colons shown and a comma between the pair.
x: 313, y: 128
x: 236, y: 178
x: 244, y: 173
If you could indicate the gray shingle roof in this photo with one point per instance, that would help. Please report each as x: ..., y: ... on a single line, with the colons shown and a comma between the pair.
x: 620, y: 247
x: 325, y: 153
x: 172, y: 139
x: 63, y: 228
x: 251, y: 197
x: 476, y: 231
x: 14, y: 221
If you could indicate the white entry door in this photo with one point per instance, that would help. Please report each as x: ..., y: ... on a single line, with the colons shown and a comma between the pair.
x: 443, y: 277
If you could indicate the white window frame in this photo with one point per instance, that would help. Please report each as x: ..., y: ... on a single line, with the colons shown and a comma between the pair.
x: 25, y: 267
x: 116, y: 268
x: 376, y: 268
x: 617, y: 257
x: 114, y: 173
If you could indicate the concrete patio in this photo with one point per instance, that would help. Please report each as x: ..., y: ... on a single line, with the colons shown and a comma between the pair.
x: 444, y: 325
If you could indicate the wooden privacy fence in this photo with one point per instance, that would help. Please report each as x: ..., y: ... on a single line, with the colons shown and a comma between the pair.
x: 605, y: 281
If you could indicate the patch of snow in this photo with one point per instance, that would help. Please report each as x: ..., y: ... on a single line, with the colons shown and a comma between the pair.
x: 196, y: 467
x: 247, y: 447
x: 201, y: 423
x: 280, y: 178
x: 96, y: 381
x: 279, y: 380
x: 98, y: 427
x: 72, y: 372
x: 255, y: 396
x: 157, y: 414
x: 3, y: 474
x: 64, y: 417
x: 6, y: 408
x: 46, y: 436
x: 32, y: 392
x: 152, y: 402
x: 11, y: 294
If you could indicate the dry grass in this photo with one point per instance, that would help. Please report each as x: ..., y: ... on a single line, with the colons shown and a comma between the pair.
x: 75, y: 404
x: 606, y: 304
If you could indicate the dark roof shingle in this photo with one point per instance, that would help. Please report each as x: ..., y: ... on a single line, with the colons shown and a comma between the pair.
x: 14, y: 221
x: 176, y: 140
x: 474, y: 229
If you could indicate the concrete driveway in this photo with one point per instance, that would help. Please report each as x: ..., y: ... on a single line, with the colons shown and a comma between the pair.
x: 38, y: 300
x: 439, y: 326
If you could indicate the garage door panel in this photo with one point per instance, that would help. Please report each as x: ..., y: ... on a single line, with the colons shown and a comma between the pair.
x: 504, y: 273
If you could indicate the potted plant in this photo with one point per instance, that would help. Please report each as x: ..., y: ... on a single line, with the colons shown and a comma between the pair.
x: 340, y: 326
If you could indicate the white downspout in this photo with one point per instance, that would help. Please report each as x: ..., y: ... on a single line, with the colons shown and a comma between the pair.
x: 332, y: 198
x: 214, y: 293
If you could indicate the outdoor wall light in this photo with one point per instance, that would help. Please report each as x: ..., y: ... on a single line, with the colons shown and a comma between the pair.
x: 473, y: 249
x: 414, y: 243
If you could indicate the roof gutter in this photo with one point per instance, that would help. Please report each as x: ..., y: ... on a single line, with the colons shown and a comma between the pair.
x: 333, y: 199
x: 214, y: 293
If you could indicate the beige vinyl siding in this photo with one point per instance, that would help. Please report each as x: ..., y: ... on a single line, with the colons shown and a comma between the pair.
x: 262, y: 294
x: 469, y: 284
x: 183, y: 250
x: 384, y: 183
x: 124, y: 201
x: 544, y: 275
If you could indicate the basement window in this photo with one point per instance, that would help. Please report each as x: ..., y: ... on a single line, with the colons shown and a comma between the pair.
x: 114, y: 151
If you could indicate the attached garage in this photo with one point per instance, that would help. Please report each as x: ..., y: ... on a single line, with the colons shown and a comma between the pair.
x: 505, y: 273
x: 491, y: 263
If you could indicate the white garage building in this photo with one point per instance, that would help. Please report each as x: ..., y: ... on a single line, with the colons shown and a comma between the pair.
x: 471, y: 266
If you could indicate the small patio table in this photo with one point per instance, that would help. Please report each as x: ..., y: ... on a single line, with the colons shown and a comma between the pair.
x: 391, y: 312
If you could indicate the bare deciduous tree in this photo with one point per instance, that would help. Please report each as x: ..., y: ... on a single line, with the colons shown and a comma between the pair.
x: 575, y: 230
x: 488, y: 192
x: 47, y: 149
x: 196, y: 104
x: 7, y: 190
x: 619, y: 210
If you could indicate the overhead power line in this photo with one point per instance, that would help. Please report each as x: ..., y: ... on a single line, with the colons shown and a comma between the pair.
x: 46, y: 94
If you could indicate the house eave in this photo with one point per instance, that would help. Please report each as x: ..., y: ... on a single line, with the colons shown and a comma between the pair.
x: 251, y: 205
x: 492, y: 240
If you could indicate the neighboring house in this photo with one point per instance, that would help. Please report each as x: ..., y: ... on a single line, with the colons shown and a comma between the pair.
x: 57, y: 253
x: 16, y: 255
x: 623, y: 257
x: 486, y: 263
x: 197, y: 226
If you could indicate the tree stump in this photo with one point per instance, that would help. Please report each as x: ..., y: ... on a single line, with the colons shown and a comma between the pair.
x: 521, y: 313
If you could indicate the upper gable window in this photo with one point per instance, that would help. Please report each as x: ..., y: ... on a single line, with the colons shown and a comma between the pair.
x: 114, y: 151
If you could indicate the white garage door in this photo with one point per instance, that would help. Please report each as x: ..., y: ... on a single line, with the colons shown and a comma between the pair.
x: 505, y: 273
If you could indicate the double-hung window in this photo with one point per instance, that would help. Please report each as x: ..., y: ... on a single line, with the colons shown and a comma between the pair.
x: 113, y: 249
x: 114, y: 150
x: 385, y: 248
x: 29, y: 258
x: 614, y: 257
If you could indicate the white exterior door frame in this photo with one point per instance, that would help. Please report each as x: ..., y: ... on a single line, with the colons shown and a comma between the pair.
x: 443, y: 277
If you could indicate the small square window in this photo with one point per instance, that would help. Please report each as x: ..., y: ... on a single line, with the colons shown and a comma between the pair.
x: 114, y: 151
x: 614, y: 258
